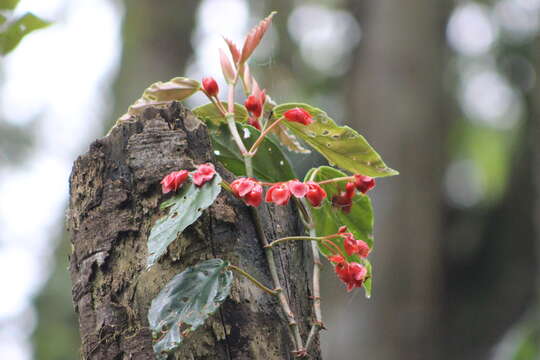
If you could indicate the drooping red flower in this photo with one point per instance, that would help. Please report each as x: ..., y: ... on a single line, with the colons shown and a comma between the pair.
x: 352, y: 274
x: 173, y: 181
x: 254, y: 121
x: 298, y: 115
x: 353, y: 246
x: 210, y: 86
x: 249, y: 190
x: 298, y: 188
x: 364, y: 183
x: 203, y: 174
x: 278, y: 194
x: 315, y: 194
x: 253, y: 105
x: 343, y: 200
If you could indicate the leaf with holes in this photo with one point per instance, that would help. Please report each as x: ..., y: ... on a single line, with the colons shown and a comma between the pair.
x: 340, y: 145
x: 359, y: 220
x: 210, y: 114
x: 184, y: 209
x: 269, y: 164
x: 186, y: 302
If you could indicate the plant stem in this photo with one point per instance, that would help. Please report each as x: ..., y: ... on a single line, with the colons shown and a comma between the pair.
x: 318, y: 324
x: 329, y: 181
x: 294, y: 238
x: 253, y: 280
x: 234, y: 132
x: 256, y: 144
x: 293, y: 325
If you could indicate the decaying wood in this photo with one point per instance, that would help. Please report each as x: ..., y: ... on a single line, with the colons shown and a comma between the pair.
x: 114, y: 200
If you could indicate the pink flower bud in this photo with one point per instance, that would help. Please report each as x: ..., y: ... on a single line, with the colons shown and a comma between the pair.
x: 173, y: 181
x: 298, y: 115
x: 352, y: 274
x: 298, y: 188
x: 278, y: 194
x: 355, y: 247
x: 203, y: 174
x: 363, y: 183
x: 226, y: 67
x: 253, y: 105
x: 336, y: 259
x: 249, y: 190
x: 210, y: 86
x: 315, y: 194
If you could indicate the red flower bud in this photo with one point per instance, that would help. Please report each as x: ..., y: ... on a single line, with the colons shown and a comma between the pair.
x: 353, y: 246
x: 249, y: 190
x: 298, y: 115
x: 298, y: 188
x: 253, y: 121
x: 253, y: 105
x: 174, y: 180
x: 364, y: 183
x: 203, y: 174
x: 352, y: 274
x: 278, y: 194
x: 336, y: 259
x: 210, y: 86
x: 342, y: 229
x: 315, y: 194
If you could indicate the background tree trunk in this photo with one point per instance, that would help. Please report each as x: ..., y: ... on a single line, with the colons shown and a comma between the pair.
x: 114, y: 199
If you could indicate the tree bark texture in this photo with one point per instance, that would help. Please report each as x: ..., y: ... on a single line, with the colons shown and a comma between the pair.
x: 114, y: 201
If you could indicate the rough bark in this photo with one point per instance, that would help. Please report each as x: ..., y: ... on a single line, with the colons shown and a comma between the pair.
x: 115, y: 194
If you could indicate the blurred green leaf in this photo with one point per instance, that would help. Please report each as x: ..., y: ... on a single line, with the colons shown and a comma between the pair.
x: 185, y: 208
x: 18, y: 29
x: 186, y: 302
x: 210, y: 114
x: 269, y: 164
x: 8, y: 4
x: 2, y: 19
x: 340, y: 145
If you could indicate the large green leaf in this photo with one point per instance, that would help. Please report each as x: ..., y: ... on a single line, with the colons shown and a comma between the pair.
x: 359, y: 220
x: 210, y: 114
x: 269, y: 164
x: 340, y: 145
x: 18, y: 29
x: 186, y: 302
x: 185, y: 208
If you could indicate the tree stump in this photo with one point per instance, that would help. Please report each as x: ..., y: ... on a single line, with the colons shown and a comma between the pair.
x: 114, y: 201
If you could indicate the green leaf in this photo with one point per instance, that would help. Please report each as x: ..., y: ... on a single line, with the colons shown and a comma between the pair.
x: 359, y: 220
x: 2, y: 20
x: 269, y: 164
x: 8, y: 4
x: 210, y: 114
x: 340, y: 145
x: 185, y: 208
x: 186, y: 302
x: 14, y: 33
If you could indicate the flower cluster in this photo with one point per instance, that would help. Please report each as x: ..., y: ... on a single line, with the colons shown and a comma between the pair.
x: 351, y: 273
x: 251, y: 191
x: 173, y: 181
x: 343, y: 200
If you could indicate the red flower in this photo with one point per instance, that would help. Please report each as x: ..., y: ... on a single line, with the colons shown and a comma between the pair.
x: 254, y: 105
x: 253, y: 121
x: 279, y: 194
x: 174, y: 180
x: 298, y: 115
x: 353, y: 246
x: 343, y: 200
x: 298, y: 188
x: 203, y: 174
x: 249, y: 190
x: 352, y: 274
x: 364, y: 183
x: 210, y: 86
x: 315, y: 194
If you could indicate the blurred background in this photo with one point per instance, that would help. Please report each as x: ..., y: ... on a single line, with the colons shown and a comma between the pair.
x: 447, y: 92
